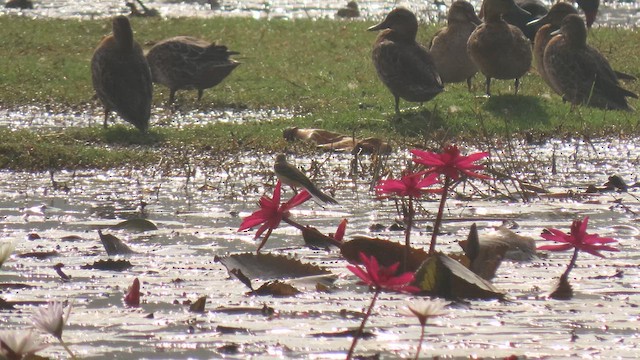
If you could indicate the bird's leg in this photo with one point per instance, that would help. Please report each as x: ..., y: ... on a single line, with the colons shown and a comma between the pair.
x: 397, y: 104
x: 488, y: 82
x: 106, y: 116
x: 517, y: 85
x: 469, y: 83
x: 172, y: 95
x: 200, y: 92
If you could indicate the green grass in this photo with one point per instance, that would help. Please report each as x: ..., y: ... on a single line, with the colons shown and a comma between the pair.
x: 319, y: 68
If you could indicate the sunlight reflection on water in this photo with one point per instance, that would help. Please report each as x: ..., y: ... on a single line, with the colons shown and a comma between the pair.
x: 195, y: 225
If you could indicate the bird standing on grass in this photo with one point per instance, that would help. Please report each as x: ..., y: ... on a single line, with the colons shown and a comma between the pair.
x: 449, y: 45
x: 293, y: 177
x: 579, y: 72
x: 403, y: 65
x: 184, y: 63
x: 121, y: 76
x: 500, y: 50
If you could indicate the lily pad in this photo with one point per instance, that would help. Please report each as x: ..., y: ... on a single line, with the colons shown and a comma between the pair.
x: 135, y: 225
x: 198, y: 305
x: 113, y: 245
x: 112, y: 265
x: 268, y: 266
x: 275, y: 288
x: 386, y: 252
x: 444, y: 277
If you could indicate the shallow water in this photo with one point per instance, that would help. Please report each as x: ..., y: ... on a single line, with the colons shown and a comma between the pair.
x: 197, y: 219
x: 198, y: 216
x: 611, y: 13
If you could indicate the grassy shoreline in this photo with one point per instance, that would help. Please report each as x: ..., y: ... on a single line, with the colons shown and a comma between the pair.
x: 318, y: 68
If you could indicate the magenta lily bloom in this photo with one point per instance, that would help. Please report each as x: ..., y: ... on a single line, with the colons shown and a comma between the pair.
x: 272, y: 212
x: 578, y: 238
x: 381, y: 277
x: 342, y: 227
x: 450, y: 163
x: 413, y: 184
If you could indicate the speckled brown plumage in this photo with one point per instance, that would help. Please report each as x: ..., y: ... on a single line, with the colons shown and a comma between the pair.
x: 121, y: 76
x: 500, y: 50
x: 550, y: 23
x: 579, y: 72
x: 449, y: 45
x: 186, y: 63
x: 19, y: 4
x: 403, y: 65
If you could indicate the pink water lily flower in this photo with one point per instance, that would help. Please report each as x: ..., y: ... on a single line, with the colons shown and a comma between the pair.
x: 413, y: 184
x: 450, y: 163
x: 381, y: 277
x: 272, y: 212
x: 339, y: 234
x: 578, y: 238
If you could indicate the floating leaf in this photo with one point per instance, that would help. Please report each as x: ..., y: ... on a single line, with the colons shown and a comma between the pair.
x: 268, y: 266
x: 317, y: 240
x: 232, y: 330
x: 198, y: 306
x: 485, y: 257
x: 442, y: 276
x: 16, y: 286
x: 264, y: 310
x: 40, y: 255
x: 344, y: 334
x: 113, y: 245
x: 58, y: 268
x: 275, y: 288
x: 386, y: 252
x: 5, y: 305
x: 135, y: 225
x: 113, y: 265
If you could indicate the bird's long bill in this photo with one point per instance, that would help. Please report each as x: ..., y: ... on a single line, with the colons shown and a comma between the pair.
x: 541, y: 21
x: 474, y: 19
x: 381, y: 26
x: 520, y: 10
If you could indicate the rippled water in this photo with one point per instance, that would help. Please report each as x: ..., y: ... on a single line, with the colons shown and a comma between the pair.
x: 625, y: 13
x: 198, y: 217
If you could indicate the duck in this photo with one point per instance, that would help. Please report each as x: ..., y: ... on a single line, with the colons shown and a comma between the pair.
x: 548, y: 24
x: 500, y: 50
x: 579, y: 73
x: 19, y: 4
x: 349, y: 11
x: 146, y: 12
x: 186, y: 63
x: 590, y: 9
x: 449, y: 45
x: 121, y: 76
x: 534, y: 9
x: 403, y: 65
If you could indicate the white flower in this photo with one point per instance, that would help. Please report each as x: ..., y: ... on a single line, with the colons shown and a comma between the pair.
x: 6, y: 248
x: 18, y: 344
x: 51, y: 319
x: 425, y: 309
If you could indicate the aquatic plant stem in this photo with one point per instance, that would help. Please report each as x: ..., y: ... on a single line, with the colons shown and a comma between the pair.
x: 436, y: 224
x: 572, y: 263
x: 293, y: 223
x: 420, y: 342
x: 264, y: 241
x: 357, y: 335
x: 408, y: 223
x: 67, y: 349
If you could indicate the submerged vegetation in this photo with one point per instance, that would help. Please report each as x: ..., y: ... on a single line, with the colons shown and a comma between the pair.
x: 320, y: 70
